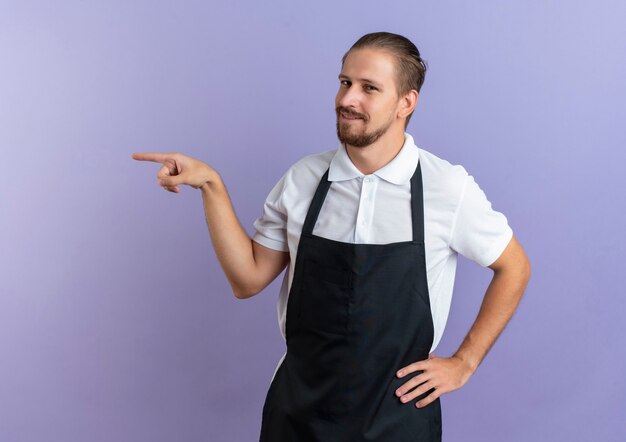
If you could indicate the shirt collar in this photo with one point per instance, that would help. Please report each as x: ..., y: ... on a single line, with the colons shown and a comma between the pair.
x: 398, y: 171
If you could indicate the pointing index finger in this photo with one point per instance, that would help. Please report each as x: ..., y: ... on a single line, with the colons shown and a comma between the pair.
x: 151, y: 156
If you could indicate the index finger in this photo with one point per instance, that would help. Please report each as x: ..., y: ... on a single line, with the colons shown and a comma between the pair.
x: 151, y: 156
x: 411, y: 368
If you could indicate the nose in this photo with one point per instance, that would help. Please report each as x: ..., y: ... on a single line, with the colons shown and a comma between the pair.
x: 348, y: 97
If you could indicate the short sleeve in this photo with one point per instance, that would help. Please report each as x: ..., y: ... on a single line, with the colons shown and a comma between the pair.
x: 271, y: 227
x: 479, y: 233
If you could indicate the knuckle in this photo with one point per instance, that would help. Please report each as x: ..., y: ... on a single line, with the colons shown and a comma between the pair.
x: 420, y: 378
x: 409, y: 396
x: 417, y: 392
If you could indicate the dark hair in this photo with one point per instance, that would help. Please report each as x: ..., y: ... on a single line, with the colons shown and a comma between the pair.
x: 410, y: 68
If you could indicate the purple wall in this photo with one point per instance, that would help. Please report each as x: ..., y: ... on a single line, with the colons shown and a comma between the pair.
x: 116, y: 322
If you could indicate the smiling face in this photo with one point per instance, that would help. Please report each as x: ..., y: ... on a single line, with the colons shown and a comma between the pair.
x: 367, y: 102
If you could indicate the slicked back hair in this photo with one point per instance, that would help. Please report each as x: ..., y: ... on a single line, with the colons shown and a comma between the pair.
x: 409, y: 67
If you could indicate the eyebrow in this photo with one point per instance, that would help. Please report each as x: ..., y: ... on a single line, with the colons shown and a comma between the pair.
x: 364, y: 80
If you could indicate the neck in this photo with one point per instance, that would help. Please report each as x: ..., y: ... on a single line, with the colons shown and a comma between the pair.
x: 370, y: 158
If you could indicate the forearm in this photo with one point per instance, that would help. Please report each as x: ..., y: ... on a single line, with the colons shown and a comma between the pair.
x: 499, y: 304
x: 231, y: 242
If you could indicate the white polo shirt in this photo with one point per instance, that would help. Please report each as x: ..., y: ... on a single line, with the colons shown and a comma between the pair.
x: 376, y: 209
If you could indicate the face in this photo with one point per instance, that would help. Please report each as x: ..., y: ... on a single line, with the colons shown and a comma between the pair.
x: 367, y: 101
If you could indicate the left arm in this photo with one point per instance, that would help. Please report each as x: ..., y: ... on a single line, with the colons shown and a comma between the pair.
x: 511, y: 272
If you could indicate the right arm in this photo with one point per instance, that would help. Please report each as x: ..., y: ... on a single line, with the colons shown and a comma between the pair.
x: 249, y: 266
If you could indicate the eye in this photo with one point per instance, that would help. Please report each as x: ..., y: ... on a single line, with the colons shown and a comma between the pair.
x: 370, y: 88
x: 345, y: 82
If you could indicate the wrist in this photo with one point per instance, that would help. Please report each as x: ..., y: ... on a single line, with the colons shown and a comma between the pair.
x: 212, y: 180
x: 470, y: 363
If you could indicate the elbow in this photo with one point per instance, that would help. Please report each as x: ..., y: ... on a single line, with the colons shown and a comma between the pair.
x: 244, y: 292
x: 523, y: 271
x: 526, y: 270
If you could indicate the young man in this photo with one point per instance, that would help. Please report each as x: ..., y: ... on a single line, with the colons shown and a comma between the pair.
x: 370, y: 232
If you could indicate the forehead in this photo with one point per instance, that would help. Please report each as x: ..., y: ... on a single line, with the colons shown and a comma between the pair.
x: 367, y: 63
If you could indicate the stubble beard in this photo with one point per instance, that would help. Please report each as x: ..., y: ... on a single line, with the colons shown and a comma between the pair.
x: 362, y: 139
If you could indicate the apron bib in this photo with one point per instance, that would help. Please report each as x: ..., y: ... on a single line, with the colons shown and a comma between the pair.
x: 356, y: 313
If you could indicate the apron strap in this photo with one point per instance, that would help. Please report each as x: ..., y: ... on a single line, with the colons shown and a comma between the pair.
x: 316, y: 205
x: 417, y: 205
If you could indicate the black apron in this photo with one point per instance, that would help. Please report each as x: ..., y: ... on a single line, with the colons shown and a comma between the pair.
x: 356, y: 314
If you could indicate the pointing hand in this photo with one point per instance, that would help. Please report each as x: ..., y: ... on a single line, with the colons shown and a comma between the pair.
x: 178, y: 169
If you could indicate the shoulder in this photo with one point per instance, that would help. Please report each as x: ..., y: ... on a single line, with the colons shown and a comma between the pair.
x: 313, y: 163
x: 308, y: 170
x: 300, y: 180
x: 441, y: 175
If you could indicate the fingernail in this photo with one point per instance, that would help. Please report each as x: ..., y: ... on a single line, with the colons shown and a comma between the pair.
x: 400, y: 373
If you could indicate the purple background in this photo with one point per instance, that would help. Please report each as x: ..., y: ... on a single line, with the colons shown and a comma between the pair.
x: 116, y: 321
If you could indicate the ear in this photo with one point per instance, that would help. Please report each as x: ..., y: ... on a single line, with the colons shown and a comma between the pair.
x: 408, y: 103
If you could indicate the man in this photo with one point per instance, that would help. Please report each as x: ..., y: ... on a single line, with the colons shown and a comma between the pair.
x: 370, y: 231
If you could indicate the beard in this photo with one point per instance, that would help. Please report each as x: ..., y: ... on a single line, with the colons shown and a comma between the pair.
x: 349, y: 136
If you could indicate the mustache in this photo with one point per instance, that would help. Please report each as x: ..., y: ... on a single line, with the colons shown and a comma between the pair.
x: 349, y: 112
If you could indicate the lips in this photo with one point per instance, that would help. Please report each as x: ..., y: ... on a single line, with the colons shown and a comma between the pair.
x: 349, y: 117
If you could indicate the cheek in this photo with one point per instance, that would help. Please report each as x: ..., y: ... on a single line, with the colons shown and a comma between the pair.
x: 337, y: 99
x: 387, y: 111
